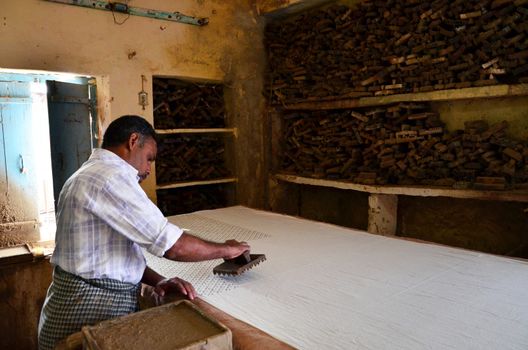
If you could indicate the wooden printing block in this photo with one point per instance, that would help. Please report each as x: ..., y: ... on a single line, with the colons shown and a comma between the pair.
x: 513, y: 154
x: 239, y: 265
x: 490, y: 183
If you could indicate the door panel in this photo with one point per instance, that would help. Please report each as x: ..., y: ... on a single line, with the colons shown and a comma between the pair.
x: 18, y: 169
x: 70, y: 129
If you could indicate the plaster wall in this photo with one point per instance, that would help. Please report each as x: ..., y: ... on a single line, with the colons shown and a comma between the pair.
x: 40, y: 35
x: 512, y: 109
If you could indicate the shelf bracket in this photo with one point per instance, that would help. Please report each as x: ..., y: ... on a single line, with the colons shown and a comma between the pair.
x: 135, y: 11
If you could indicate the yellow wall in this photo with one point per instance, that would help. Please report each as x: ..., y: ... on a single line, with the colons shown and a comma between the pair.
x: 512, y: 109
x: 41, y: 35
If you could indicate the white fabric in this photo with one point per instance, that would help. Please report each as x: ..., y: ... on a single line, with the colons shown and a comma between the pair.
x: 199, y: 273
x: 328, y: 287
x: 104, y: 217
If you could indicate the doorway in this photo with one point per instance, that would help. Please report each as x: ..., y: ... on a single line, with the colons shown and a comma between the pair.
x: 48, y: 131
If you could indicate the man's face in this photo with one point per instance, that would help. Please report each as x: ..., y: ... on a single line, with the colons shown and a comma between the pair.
x: 142, y: 156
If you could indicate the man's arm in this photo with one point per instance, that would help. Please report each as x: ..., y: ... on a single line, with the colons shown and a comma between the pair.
x: 151, y: 277
x: 191, y: 248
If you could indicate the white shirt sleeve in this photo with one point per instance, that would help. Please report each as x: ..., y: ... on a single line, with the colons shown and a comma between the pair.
x: 125, y: 207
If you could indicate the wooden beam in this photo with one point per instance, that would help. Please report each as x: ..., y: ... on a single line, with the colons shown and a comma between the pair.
x: 195, y: 183
x: 417, y: 191
x: 383, y: 214
x: 198, y: 131
x: 438, y: 95
x: 286, y: 7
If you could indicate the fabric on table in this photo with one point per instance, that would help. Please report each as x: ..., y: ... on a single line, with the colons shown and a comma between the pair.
x: 330, y: 287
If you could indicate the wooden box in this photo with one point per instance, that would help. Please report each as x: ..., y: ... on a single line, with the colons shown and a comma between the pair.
x: 180, y: 325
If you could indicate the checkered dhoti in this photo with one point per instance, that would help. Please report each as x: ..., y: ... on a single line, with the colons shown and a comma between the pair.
x: 73, y: 302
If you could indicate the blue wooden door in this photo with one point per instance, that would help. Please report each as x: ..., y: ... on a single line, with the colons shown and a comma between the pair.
x: 18, y: 177
x: 72, y: 138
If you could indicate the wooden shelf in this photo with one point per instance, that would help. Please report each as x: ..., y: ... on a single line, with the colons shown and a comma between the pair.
x: 197, y: 131
x: 196, y: 183
x: 437, y: 95
x: 418, y: 191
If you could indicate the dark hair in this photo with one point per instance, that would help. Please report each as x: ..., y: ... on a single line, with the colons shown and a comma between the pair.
x: 119, y: 131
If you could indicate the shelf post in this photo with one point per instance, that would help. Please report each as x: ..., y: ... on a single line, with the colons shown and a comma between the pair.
x: 383, y: 214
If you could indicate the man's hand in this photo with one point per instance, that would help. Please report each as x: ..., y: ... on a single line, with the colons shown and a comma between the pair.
x: 175, y: 285
x: 235, y: 248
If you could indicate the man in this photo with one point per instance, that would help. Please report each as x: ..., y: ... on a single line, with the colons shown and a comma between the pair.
x: 103, y: 220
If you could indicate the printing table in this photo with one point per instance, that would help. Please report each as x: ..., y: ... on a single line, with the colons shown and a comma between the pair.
x: 325, y: 286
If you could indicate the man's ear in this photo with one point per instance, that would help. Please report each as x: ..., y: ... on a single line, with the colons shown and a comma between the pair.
x: 133, y: 141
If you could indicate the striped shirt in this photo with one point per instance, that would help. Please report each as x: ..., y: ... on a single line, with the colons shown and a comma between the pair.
x: 104, y: 217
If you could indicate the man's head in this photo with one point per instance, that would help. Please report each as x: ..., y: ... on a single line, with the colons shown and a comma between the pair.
x: 133, y: 139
